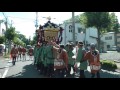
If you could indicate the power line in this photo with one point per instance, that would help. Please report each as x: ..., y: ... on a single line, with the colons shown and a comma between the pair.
x: 21, y: 18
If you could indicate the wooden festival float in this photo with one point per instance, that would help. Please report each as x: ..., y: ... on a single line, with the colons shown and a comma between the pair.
x: 49, y: 31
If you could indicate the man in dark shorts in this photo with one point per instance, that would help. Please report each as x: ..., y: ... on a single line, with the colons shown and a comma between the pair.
x: 30, y: 53
x: 14, y: 53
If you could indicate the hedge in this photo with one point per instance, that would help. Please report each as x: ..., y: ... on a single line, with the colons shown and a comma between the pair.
x: 108, y: 65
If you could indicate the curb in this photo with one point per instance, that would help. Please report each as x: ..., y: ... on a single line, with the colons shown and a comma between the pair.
x: 116, y: 61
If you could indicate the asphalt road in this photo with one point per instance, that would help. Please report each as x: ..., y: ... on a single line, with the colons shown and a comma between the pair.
x: 3, y: 65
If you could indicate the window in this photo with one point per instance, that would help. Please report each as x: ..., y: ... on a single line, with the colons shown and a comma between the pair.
x: 108, y: 38
x: 80, y: 30
x: 118, y: 36
x: 70, y: 28
x: 118, y: 42
x: 108, y: 46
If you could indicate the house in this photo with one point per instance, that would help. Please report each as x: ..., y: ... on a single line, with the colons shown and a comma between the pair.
x: 90, y: 36
x: 108, y: 40
x: 118, y: 39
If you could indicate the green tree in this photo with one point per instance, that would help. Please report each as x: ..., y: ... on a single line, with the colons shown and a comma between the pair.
x: 10, y: 35
x: 114, y: 27
x: 34, y: 40
x: 100, y: 20
x: 77, y: 19
x: 22, y: 38
x: 2, y: 39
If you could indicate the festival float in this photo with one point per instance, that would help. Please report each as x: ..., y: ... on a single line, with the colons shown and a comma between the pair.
x: 49, y: 32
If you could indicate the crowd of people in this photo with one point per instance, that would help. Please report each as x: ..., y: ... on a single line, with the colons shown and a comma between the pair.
x: 56, y: 61
x: 19, y: 53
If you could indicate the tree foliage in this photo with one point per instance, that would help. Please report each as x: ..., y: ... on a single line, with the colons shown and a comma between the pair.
x: 2, y: 39
x: 10, y: 33
x: 100, y: 20
x: 33, y: 41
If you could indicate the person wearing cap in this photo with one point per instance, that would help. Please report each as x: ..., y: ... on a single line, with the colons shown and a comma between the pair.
x: 50, y: 59
x: 93, y: 58
x: 71, y: 61
x: 80, y: 55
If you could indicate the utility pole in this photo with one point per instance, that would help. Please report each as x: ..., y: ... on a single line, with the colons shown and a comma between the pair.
x: 65, y: 32
x: 11, y: 23
x: 6, y: 25
x: 36, y: 25
x: 73, y: 27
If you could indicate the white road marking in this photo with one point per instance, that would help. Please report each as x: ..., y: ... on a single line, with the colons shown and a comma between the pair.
x: 6, y: 70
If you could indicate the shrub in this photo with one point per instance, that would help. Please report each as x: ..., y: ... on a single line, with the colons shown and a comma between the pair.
x: 108, y: 65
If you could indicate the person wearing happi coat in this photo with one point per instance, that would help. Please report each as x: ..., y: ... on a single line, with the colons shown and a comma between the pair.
x: 24, y: 53
x: 19, y: 52
x: 35, y: 48
x: 93, y: 58
x: 14, y: 52
x: 50, y: 60
x: 38, y: 60
x: 71, y: 61
x: 61, y: 60
x: 43, y: 58
x: 30, y: 53
x: 37, y: 56
x: 79, y: 58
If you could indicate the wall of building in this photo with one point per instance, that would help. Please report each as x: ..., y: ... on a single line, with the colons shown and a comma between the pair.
x: 109, y: 39
x: 79, y: 33
x: 118, y: 40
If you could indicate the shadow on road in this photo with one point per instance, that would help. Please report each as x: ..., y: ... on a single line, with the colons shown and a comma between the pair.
x: 104, y: 74
x: 28, y: 71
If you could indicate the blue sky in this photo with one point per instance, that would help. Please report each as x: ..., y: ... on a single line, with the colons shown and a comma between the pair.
x: 24, y: 22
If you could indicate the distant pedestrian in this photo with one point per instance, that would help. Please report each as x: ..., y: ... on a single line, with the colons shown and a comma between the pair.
x: 24, y: 53
x: 19, y: 52
x: 13, y: 53
x: 31, y: 53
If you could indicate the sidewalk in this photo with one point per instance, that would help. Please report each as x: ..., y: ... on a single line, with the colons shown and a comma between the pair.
x: 2, y: 58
